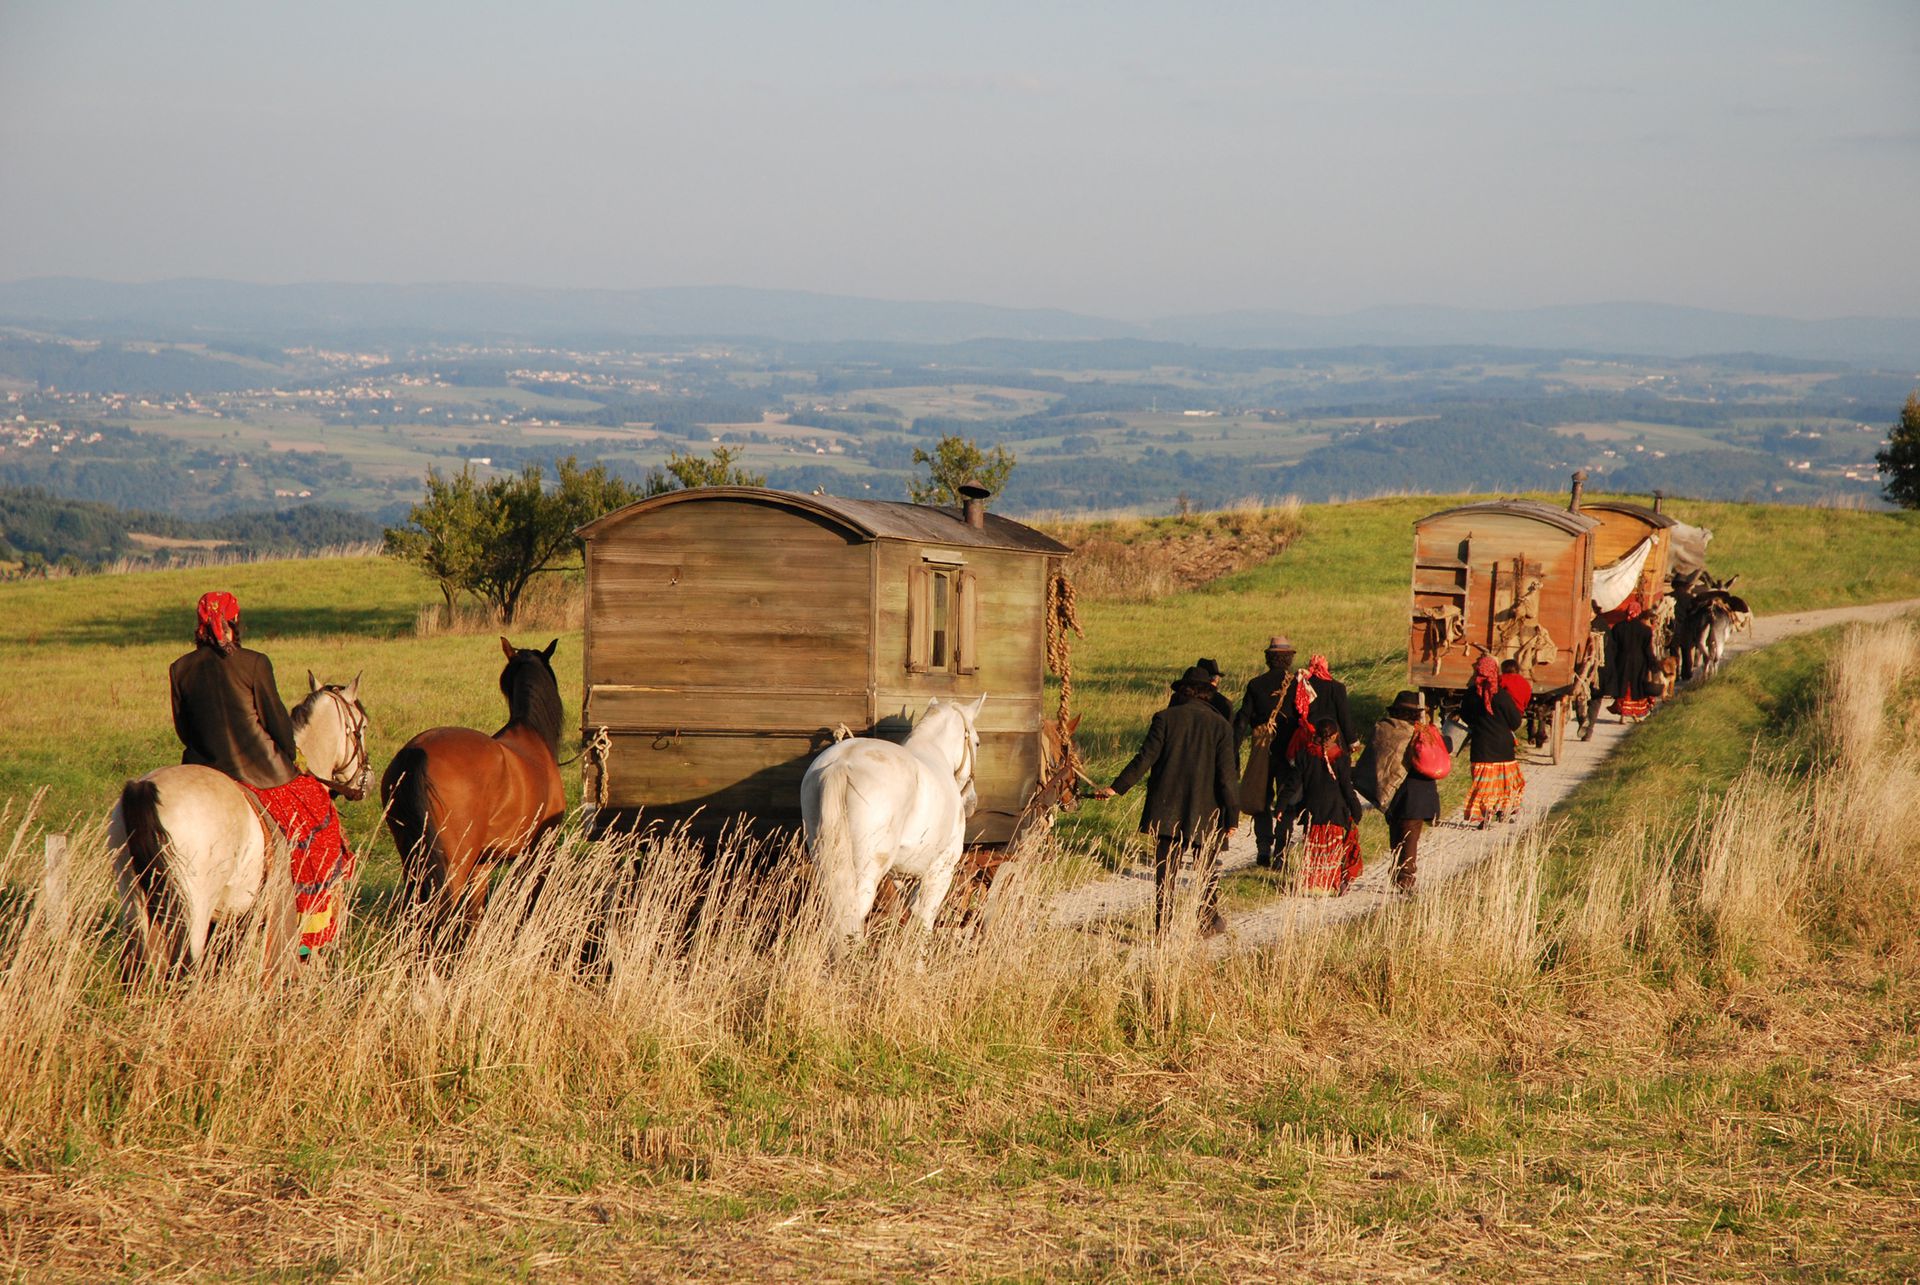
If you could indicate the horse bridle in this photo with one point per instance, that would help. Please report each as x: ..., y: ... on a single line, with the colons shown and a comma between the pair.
x: 355, y: 781
x: 963, y: 771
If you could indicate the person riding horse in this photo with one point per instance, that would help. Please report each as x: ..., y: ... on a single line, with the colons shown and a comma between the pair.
x: 227, y: 709
x: 229, y: 716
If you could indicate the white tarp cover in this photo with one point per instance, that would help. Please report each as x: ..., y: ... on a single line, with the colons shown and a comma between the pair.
x: 1612, y: 584
x: 1689, y: 547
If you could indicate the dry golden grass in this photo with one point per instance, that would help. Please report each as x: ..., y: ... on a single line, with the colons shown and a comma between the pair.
x: 1144, y: 559
x: 556, y: 601
x: 1674, y: 1053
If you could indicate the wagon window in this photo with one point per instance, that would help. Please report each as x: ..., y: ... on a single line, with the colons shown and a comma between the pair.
x: 942, y: 598
x: 940, y: 620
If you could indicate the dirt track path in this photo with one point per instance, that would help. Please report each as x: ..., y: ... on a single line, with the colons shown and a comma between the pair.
x: 1449, y: 847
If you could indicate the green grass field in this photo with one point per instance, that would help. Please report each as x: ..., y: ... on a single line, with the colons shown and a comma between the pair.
x: 87, y: 705
x: 1659, y: 1042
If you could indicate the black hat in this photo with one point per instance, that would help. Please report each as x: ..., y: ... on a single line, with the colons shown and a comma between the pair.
x: 1211, y: 666
x: 1194, y: 677
x: 1410, y: 701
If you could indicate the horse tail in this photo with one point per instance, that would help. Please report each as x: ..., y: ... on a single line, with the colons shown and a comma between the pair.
x: 408, y: 797
x: 830, y: 842
x: 153, y: 911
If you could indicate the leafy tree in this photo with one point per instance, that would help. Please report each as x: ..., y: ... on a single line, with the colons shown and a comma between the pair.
x: 690, y: 470
x: 1900, y: 461
x: 954, y: 461
x: 443, y: 533
x: 491, y: 539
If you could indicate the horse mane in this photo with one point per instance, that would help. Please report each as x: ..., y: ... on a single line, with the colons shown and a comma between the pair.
x: 533, y: 697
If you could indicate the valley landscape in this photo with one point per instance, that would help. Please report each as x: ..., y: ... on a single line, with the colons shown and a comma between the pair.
x: 841, y: 448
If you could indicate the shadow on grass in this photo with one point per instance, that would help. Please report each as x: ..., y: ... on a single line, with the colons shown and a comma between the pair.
x: 129, y: 628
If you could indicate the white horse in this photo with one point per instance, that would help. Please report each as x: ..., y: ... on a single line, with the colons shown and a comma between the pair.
x: 192, y: 847
x: 871, y: 807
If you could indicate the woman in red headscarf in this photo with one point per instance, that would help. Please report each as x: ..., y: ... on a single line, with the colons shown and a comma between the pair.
x: 1629, y: 663
x: 226, y: 709
x: 1492, y: 718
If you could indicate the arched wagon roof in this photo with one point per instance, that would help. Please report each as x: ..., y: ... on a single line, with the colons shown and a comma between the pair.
x: 1533, y: 510
x: 1640, y: 512
x: 863, y: 519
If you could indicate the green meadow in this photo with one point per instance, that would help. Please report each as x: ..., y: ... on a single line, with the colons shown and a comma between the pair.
x: 1672, y: 1036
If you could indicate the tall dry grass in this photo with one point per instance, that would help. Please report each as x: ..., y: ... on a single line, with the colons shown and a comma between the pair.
x: 1136, y: 559
x: 556, y: 602
x: 628, y: 996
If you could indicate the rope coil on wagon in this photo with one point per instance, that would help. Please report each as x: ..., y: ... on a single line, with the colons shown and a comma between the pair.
x: 596, y: 753
x: 1063, y: 624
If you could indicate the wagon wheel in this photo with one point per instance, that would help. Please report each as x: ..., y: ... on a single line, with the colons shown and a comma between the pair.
x: 1558, y: 735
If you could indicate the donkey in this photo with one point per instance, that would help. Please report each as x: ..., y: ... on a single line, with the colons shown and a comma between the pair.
x: 192, y: 848
x: 870, y: 806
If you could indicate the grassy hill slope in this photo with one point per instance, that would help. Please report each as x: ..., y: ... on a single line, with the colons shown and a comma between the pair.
x: 1690, y: 1058
x: 85, y: 706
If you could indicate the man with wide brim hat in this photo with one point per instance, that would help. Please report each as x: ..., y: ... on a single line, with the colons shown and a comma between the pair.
x: 1216, y: 700
x: 1265, y: 775
x: 1192, y: 794
x: 1407, y: 800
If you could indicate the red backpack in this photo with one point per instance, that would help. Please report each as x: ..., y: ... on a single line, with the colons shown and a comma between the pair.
x: 1429, y: 755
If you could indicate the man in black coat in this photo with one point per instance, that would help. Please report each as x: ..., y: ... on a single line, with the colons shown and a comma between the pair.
x: 1192, y: 794
x: 1256, y: 707
x: 226, y: 708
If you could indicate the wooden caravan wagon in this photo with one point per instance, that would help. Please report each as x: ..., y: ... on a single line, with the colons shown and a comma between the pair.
x: 1509, y: 578
x: 732, y: 631
x: 1632, y: 552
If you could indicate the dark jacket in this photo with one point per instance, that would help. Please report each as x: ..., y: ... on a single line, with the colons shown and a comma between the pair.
x: 1629, y: 663
x: 229, y: 716
x: 1192, y: 787
x: 1327, y: 794
x: 1256, y: 707
x: 1329, y: 703
x: 1490, y: 733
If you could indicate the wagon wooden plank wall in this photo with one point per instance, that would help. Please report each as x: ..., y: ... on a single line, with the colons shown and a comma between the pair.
x: 731, y: 630
x: 1507, y: 578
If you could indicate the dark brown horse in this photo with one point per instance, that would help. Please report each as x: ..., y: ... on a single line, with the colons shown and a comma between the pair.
x: 459, y: 801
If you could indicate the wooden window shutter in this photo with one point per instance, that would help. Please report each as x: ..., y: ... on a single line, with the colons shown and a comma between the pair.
x: 919, y: 619
x: 966, y: 596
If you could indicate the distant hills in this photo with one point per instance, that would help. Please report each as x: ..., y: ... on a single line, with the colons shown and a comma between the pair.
x: 180, y: 309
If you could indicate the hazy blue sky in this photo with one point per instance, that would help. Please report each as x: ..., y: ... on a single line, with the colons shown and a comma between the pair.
x: 1121, y: 158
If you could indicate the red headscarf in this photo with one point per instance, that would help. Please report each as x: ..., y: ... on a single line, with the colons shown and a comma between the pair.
x: 1303, y: 694
x: 1633, y: 606
x: 1486, y: 679
x: 219, y: 616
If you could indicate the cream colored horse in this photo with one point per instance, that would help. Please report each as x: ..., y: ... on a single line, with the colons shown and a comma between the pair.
x: 191, y: 848
x: 872, y: 807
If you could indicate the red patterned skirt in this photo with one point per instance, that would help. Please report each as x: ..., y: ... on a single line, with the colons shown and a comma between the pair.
x: 1333, y: 859
x: 304, y: 811
x: 1633, y: 707
x: 1497, y: 787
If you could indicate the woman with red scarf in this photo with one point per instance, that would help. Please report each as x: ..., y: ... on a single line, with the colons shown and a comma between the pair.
x: 1492, y: 718
x: 227, y: 709
x: 1629, y: 663
x: 1332, y: 809
x: 229, y: 716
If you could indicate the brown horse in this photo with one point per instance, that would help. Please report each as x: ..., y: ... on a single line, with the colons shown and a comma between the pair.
x: 459, y: 801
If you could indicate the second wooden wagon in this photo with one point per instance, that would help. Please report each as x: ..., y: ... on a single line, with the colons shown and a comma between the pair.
x: 1512, y: 579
